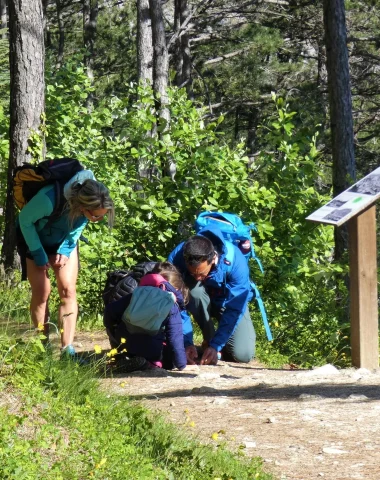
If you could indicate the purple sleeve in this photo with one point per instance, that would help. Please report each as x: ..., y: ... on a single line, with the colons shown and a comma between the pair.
x: 174, y: 337
x: 114, y: 311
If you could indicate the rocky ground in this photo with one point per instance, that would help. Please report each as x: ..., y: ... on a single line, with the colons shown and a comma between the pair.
x: 305, y: 424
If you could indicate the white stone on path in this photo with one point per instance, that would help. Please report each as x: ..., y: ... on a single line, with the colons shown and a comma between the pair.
x: 333, y: 451
x: 249, y: 443
x: 208, y: 376
x: 220, y: 401
x: 327, y: 369
x: 357, y: 397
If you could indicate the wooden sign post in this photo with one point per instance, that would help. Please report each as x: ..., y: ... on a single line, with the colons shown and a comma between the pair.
x: 356, y: 206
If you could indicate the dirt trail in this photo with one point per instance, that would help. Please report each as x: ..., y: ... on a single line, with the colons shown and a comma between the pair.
x: 305, y: 424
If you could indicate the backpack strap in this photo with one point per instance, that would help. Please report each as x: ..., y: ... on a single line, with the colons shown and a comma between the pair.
x: 229, y: 258
x: 253, y: 227
x: 60, y: 202
x: 263, y: 312
x: 230, y: 255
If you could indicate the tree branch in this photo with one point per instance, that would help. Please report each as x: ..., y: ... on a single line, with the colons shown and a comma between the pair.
x: 185, y: 25
x: 226, y: 56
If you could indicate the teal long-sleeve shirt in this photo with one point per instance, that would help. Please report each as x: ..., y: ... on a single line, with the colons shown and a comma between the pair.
x: 39, y: 233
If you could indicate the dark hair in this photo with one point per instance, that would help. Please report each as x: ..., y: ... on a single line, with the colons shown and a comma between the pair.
x: 173, y: 276
x: 198, y: 249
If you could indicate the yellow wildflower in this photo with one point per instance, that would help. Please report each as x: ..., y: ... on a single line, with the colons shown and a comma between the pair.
x: 40, y: 327
x: 123, y: 340
x: 192, y: 424
x: 101, y: 463
x: 112, y: 352
x: 215, y: 436
x: 61, y: 331
x: 98, y: 349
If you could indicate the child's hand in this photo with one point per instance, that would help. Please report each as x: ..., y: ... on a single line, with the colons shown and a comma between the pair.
x: 191, y: 354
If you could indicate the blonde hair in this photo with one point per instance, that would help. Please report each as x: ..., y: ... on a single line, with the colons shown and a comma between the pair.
x: 90, y: 195
x: 173, y: 276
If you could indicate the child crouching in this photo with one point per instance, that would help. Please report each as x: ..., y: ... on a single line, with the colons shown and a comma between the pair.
x: 149, y: 319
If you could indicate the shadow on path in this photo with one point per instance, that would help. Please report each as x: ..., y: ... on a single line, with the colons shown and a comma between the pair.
x: 287, y: 392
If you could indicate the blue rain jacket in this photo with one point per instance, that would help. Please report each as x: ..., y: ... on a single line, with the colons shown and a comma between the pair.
x: 229, y: 292
x: 38, y: 232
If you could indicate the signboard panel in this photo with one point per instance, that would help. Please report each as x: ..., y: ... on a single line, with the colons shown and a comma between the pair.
x: 350, y: 202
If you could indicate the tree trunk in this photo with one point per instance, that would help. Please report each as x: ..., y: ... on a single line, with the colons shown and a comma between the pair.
x: 342, y: 134
x: 160, y: 77
x: 185, y: 51
x: 90, y: 17
x: 160, y: 57
x: 178, y: 58
x: 3, y: 16
x: 252, y: 121
x: 61, y: 34
x: 45, y: 4
x: 27, y: 99
x: 144, y: 43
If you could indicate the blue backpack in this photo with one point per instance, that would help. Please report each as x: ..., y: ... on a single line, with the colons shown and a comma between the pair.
x: 236, y: 232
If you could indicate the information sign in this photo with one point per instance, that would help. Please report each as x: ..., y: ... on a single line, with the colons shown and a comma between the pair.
x: 351, y: 202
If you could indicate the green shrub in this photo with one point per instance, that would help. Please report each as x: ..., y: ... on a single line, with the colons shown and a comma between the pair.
x: 121, y: 137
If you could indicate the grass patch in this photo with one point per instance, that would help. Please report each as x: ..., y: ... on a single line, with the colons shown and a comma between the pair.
x: 267, y: 354
x: 55, y: 423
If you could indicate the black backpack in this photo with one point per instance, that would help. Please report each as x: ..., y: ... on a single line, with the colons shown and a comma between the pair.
x: 29, y: 179
x: 120, y: 283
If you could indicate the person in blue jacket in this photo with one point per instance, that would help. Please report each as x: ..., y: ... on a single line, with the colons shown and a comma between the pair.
x: 128, y: 329
x: 44, y: 244
x: 217, y: 290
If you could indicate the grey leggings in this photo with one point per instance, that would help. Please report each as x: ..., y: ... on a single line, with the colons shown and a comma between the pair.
x: 241, y: 345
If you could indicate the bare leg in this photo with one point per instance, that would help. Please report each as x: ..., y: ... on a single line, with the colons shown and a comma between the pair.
x: 68, y: 310
x: 40, y: 284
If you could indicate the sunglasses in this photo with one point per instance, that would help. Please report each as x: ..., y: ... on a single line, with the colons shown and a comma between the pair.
x: 204, y: 274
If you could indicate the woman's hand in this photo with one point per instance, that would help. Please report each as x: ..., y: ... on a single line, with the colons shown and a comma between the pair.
x: 59, y: 261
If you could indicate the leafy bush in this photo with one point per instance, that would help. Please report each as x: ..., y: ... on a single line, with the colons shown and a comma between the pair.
x: 301, y: 281
x: 130, y: 149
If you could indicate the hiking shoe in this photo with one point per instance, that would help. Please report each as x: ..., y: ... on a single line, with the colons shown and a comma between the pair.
x: 124, y: 364
x: 69, y: 353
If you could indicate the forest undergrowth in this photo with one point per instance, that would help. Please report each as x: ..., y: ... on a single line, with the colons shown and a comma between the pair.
x: 56, y: 423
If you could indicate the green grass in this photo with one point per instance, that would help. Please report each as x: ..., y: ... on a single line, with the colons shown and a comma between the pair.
x: 55, y: 423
